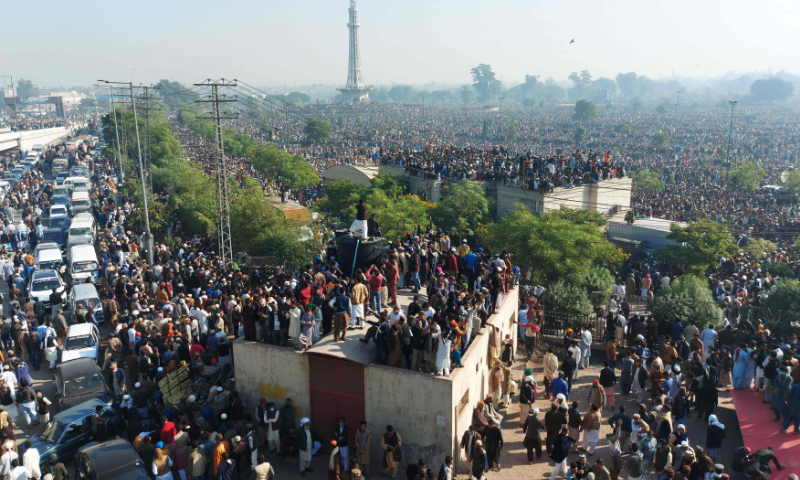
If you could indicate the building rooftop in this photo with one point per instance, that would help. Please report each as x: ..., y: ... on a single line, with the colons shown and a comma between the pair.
x: 651, y: 223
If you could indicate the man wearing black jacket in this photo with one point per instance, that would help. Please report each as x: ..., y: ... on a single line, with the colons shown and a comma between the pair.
x: 560, y: 452
x: 340, y: 434
x: 770, y: 372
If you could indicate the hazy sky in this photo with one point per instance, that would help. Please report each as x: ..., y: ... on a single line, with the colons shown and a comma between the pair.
x: 414, y: 41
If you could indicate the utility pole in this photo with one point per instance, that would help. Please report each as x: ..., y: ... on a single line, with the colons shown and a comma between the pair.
x: 223, y: 199
x: 116, y: 130
x: 730, y: 130
x: 148, y: 157
x: 149, y: 238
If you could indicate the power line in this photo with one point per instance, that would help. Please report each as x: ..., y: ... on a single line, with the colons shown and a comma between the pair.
x: 223, y: 198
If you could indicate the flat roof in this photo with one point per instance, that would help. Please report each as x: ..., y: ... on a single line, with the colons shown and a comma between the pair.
x: 651, y: 223
x: 358, y: 174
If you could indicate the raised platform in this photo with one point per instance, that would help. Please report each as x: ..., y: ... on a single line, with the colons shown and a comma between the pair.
x: 760, y: 431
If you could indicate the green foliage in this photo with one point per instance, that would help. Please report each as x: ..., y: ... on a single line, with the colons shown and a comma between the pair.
x: 261, y: 229
x: 584, y: 111
x: 486, y: 130
x: 580, y: 134
x: 647, y: 182
x: 597, y: 283
x: 401, y: 94
x: 176, y: 94
x: 163, y: 144
x: 771, y: 90
x: 785, y: 296
x: 660, y: 139
x: 463, y: 210
x: 341, y: 193
x: 317, y: 130
x: 340, y: 120
x: 623, y: 128
x: 790, y: 181
x: 699, y: 245
x: 687, y: 299
x: 512, y: 132
x: 758, y: 249
x: 279, y: 164
x: 746, y: 175
x: 561, y: 245
x: 563, y: 297
x: 485, y: 83
x: 26, y: 88
x: 661, y: 109
x: 388, y: 184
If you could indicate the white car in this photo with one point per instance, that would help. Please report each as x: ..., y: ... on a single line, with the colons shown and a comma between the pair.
x: 82, y: 341
x: 58, y: 211
x: 41, y: 285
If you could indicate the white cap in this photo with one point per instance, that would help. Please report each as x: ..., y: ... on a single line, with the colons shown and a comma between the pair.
x: 536, y: 410
x: 680, y: 426
x: 685, y: 443
x: 160, y: 369
x: 224, y: 416
x: 137, y: 385
x: 237, y: 439
x: 192, y: 398
x: 219, y: 389
x: 126, y: 397
x: 304, y: 420
x: 640, y: 337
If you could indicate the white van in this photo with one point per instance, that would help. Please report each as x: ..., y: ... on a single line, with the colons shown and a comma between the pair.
x: 81, y: 231
x: 47, y: 256
x: 73, y: 181
x: 82, y: 262
x: 79, y: 202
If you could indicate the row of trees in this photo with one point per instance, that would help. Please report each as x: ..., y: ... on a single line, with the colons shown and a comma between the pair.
x: 267, y: 158
x: 258, y: 227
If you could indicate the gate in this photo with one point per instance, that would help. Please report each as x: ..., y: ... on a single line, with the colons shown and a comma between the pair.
x: 337, y: 388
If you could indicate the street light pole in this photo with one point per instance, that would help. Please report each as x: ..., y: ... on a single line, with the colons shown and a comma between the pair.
x: 730, y: 130
x: 149, y: 240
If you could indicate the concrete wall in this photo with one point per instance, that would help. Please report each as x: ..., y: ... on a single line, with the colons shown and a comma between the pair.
x: 473, y: 379
x: 26, y: 139
x: 417, y: 405
x: 507, y: 197
x: 273, y: 373
x: 610, y: 193
x: 431, y: 187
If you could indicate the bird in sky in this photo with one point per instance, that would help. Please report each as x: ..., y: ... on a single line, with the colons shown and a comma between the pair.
x: 573, y: 41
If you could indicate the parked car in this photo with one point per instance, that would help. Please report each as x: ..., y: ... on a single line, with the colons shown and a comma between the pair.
x: 82, y: 341
x: 68, y: 431
x: 111, y: 460
x: 58, y: 211
x: 78, y: 381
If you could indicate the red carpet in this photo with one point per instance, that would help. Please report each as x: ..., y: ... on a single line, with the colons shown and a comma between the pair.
x: 759, y: 431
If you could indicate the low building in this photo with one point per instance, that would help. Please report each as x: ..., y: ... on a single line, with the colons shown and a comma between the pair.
x: 358, y: 174
x: 334, y: 379
x: 653, y: 231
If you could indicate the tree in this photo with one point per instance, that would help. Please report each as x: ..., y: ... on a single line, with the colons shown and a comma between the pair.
x: 771, y: 90
x: 26, y: 88
x: 580, y: 134
x: 699, y: 245
x: 647, y: 182
x: 529, y: 85
x: 584, y: 111
x: 661, y: 109
x: 317, y: 130
x: 560, y: 245
x: 278, y: 163
x: 746, y: 175
x: 637, y: 104
x: 605, y: 84
x: 512, y: 132
x: 176, y: 94
x: 340, y: 193
x: 466, y: 94
x: 487, y: 128
x: 660, y: 139
x: 567, y: 298
x: 463, y: 209
x: 687, y: 299
x: 485, y: 83
x: 623, y: 128
x: 340, y: 120
x: 628, y: 83
x: 790, y: 181
x: 758, y: 249
x: 785, y: 296
x: 401, y: 93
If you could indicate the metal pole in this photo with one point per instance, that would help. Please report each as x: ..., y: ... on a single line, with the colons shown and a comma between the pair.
x: 116, y: 129
x: 141, y: 178
x: 730, y: 131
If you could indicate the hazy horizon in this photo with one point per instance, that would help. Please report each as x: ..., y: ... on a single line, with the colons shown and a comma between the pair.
x: 416, y: 42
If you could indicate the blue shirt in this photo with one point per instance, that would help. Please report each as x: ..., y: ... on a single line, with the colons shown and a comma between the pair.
x: 677, y: 331
x: 558, y: 385
x: 469, y: 260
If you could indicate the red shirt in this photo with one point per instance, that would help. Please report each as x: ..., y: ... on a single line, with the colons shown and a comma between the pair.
x: 168, y: 433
